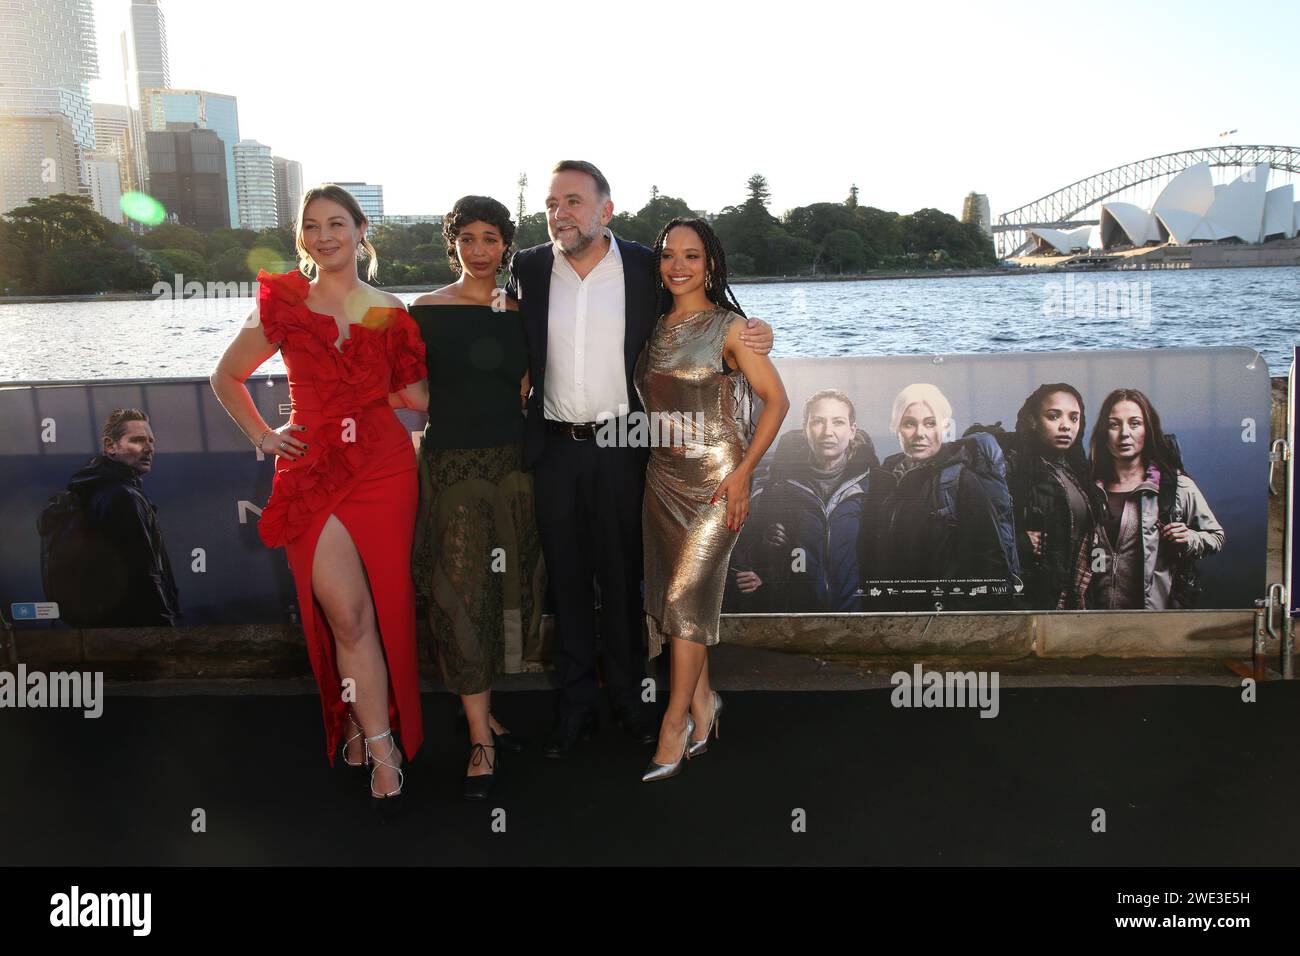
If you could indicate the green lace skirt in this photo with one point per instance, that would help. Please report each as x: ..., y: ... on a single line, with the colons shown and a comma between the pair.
x: 477, y: 562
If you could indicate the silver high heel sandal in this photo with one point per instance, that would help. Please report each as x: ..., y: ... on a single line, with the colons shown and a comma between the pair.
x: 662, y: 771
x: 715, y: 725
x: 360, y: 735
x: 385, y: 803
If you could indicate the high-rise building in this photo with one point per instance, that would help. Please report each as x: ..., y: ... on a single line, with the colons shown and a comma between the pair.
x: 208, y: 111
x: 105, y: 184
x: 255, y: 185
x: 187, y: 174
x: 39, y: 157
x: 288, y: 189
x: 149, y: 43
x: 370, y: 197
x: 47, y: 58
x: 975, y: 209
x: 215, y: 111
x: 144, y: 66
x: 113, y: 139
x: 112, y: 127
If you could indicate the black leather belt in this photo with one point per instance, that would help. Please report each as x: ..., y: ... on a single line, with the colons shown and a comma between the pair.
x: 578, y: 431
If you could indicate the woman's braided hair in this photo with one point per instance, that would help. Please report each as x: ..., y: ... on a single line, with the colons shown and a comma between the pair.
x: 715, y: 275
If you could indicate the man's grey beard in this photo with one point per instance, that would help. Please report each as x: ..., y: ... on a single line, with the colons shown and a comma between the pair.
x: 582, y: 244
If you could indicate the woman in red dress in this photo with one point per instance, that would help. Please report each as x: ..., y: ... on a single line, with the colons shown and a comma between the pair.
x: 343, y: 499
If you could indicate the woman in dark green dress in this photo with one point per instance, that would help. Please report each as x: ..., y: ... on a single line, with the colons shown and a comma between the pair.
x: 477, y: 557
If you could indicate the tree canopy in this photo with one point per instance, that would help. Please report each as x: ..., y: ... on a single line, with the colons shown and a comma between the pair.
x: 59, y: 244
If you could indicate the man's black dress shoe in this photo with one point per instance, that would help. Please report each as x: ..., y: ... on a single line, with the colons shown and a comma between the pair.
x: 639, y: 726
x: 511, y: 742
x: 568, y: 730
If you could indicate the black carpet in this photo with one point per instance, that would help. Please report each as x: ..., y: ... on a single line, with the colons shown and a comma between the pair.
x: 1187, y: 776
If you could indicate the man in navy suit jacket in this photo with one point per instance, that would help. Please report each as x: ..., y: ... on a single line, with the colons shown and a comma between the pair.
x: 588, y: 303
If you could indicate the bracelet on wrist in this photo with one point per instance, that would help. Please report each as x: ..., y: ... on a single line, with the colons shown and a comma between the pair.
x: 262, y: 439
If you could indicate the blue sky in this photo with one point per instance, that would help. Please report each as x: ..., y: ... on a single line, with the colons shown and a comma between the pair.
x: 917, y: 103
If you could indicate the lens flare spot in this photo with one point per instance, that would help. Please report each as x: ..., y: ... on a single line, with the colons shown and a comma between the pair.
x: 143, y: 208
x: 262, y: 257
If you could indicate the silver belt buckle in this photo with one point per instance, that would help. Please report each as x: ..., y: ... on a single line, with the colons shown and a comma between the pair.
x: 573, y: 432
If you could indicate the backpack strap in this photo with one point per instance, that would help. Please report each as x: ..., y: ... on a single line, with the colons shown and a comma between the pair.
x: 949, y: 479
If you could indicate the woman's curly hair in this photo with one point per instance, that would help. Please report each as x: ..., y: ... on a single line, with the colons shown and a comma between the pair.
x: 470, y: 209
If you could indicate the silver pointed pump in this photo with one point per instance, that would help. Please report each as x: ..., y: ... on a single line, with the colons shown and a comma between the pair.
x: 662, y: 771
x: 715, y: 727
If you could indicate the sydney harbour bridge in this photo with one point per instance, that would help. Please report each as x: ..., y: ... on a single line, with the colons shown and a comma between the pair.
x: 1067, y: 207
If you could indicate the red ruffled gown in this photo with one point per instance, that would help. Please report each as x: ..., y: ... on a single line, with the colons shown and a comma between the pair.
x: 360, y: 467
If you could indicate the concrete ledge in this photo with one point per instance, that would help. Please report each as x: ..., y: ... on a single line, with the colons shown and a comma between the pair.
x: 269, y: 650
x: 983, y: 636
x: 48, y: 646
x: 1132, y: 634
x: 1120, y: 634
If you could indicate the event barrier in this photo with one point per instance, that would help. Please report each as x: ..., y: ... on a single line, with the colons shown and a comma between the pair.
x: 840, y: 520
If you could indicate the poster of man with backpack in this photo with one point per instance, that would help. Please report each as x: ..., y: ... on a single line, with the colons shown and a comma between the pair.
x: 103, y: 559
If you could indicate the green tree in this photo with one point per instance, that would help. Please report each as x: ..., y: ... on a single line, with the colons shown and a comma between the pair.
x: 759, y: 194
x: 231, y: 266
x: 936, y: 237
x: 12, y: 261
x: 80, y: 268
x: 183, y: 262
x: 883, y: 234
x: 739, y: 264
x: 844, y: 251
x: 657, y: 212
x: 170, y: 235
x: 819, y: 220
x: 45, y: 224
x: 59, y: 244
x: 531, y: 231
x: 222, y: 240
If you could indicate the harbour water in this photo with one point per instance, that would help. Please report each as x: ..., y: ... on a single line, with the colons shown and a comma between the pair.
x: 1254, y: 308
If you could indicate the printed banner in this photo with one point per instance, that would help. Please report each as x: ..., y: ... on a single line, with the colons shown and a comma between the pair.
x: 897, y: 484
x: 1123, y: 479
x: 206, y: 485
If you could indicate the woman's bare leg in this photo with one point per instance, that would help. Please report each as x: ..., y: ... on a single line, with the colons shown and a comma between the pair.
x: 477, y: 713
x: 702, y: 703
x: 688, y: 661
x: 339, y: 581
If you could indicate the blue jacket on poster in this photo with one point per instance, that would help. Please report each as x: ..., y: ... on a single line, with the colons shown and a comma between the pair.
x: 832, y: 525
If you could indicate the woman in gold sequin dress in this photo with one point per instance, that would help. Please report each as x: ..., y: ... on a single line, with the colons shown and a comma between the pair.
x: 694, y: 378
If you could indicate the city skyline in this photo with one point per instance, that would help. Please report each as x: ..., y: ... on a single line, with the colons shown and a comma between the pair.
x: 885, y: 100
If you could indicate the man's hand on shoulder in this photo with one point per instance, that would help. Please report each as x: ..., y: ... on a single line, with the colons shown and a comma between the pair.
x: 757, y: 336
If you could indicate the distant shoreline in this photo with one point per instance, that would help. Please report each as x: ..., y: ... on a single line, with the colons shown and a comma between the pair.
x: 739, y: 280
x: 742, y: 280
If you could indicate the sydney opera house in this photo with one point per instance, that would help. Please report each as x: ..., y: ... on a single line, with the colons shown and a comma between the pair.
x: 1191, y: 209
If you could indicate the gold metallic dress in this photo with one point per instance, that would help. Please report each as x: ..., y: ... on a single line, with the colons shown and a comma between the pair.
x: 698, y: 434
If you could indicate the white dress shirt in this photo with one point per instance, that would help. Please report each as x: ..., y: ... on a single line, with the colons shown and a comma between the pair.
x: 585, y: 375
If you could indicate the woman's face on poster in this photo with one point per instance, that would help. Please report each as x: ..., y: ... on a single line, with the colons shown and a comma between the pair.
x: 1126, y: 430
x: 919, y: 432
x: 829, y: 430
x: 1057, y: 424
